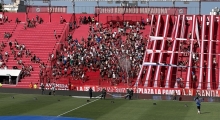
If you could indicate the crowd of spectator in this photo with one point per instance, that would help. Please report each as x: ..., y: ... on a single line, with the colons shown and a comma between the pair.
x: 105, y: 50
x: 18, y: 52
x: 86, y: 20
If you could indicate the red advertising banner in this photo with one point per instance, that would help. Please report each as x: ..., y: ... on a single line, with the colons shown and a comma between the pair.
x: 140, y: 90
x: 141, y: 10
x: 46, y: 9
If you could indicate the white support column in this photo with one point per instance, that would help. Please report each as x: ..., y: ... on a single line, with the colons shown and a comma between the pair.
x: 181, y: 36
x: 190, y: 55
x: 218, y: 60
x: 218, y: 75
x: 152, y: 55
x: 162, y: 47
x: 172, y: 54
x: 210, y: 53
x: 202, y: 51
x: 140, y: 73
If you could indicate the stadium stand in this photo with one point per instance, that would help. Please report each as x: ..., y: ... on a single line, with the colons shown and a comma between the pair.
x: 169, y: 51
x: 31, y: 46
x: 100, y: 47
x: 185, y: 64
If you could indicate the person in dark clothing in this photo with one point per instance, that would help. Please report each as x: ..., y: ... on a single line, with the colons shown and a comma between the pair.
x: 84, y: 20
x: 70, y: 26
x: 17, y: 20
x: 42, y: 88
x: 33, y: 59
x: 174, y: 95
x: 103, y: 93
x: 128, y: 94
x: 10, y: 44
x: 90, y: 92
x: 198, y: 104
x: 74, y: 23
x: 89, y: 19
x: 131, y: 93
x: 37, y: 18
x: 41, y: 21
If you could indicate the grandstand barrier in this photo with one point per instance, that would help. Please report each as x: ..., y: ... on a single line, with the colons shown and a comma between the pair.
x: 138, y: 89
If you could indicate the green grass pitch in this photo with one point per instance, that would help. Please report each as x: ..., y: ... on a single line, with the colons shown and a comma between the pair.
x: 121, y: 109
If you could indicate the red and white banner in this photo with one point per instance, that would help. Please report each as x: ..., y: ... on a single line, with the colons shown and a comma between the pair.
x: 141, y: 10
x: 158, y: 91
x: 46, y: 9
x: 140, y: 90
x: 58, y: 86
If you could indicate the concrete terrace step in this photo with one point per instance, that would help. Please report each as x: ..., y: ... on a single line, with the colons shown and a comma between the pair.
x: 40, y: 41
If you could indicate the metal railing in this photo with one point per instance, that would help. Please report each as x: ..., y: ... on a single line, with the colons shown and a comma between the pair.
x: 57, y: 47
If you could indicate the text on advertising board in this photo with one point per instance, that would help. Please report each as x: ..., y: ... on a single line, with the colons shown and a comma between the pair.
x: 46, y: 9
x: 141, y: 90
x: 140, y: 10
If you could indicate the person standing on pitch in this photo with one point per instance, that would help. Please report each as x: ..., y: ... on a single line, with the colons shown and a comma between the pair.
x: 53, y: 89
x: 103, y: 93
x: 90, y: 92
x: 128, y: 94
x: 42, y: 88
x: 198, y: 104
x: 131, y: 93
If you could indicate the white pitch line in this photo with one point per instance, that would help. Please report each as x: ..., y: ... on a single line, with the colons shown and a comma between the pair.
x: 77, y: 108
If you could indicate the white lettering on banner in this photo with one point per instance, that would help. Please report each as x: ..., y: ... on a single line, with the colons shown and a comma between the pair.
x: 184, y: 92
x: 190, y: 92
x: 151, y: 91
x: 57, y: 86
x: 57, y: 9
x: 123, y: 90
x: 140, y: 90
x: 216, y: 93
x: 81, y: 89
x: 109, y: 89
x: 146, y: 10
x: 208, y: 93
x: 145, y: 90
x: 148, y: 91
x: 203, y: 93
x: 159, y: 91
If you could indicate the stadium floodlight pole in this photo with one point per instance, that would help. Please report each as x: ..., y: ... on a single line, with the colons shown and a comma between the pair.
x: 3, y: 9
x: 174, y: 7
x: 124, y: 5
x: 27, y: 2
x: 98, y: 7
x: 74, y: 11
x: 148, y: 5
x: 200, y: 4
x: 49, y: 3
